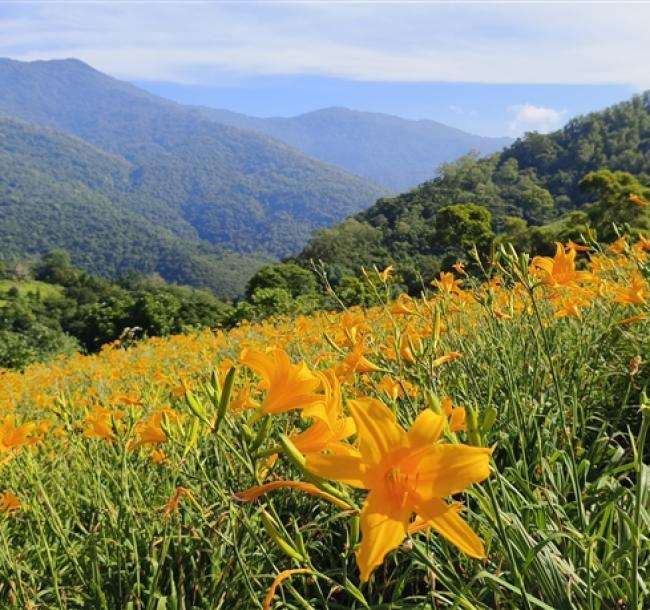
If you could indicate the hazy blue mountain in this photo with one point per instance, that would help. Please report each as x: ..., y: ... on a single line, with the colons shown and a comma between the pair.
x: 388, y: 150
x: 57, y: 191
x: 227, y: 186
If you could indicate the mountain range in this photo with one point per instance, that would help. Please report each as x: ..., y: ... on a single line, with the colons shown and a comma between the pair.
x: 388, y: 150
x: 183, y: 176
x: 127, y: 181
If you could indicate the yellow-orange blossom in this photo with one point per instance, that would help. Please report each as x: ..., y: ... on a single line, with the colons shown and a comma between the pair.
x: 405, y: 472
x: 288, y: 386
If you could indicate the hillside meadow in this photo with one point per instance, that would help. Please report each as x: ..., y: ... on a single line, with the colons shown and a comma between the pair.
x: 479, y: 447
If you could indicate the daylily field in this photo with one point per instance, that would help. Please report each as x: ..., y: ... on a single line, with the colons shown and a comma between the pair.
x: 479, y: 447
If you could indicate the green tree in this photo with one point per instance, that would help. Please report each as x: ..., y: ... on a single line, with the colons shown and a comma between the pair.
x: 55, y: 267
x: 613, y: 205
x: 288, y: 276
x: 462, y: 226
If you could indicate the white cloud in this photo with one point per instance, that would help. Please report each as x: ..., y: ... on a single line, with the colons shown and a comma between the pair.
x: 460, y: 110
x: 527, y: 117
x: 200, y: 42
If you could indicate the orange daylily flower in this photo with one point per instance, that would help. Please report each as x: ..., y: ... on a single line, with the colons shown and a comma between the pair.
x: 391, y: 387
x: 457, y: 415
x: 494, y: 285
x: 403, y: 306
x: 447, y: 283
x: 405, y: 473
x: 353, y: 325
x: 458, y: 420
x: 288, y: 386
x: 158, y: 457
x: 568, y: 308
x: 568, y: 303
x: 644, y: 243
x: 559, y: 270
x: 633, y: 294
x: 9, y: 502
x: 637, y: 200
x: 598, y: 264
x: 386, y: 273
x: 446, y: 358
x: 243, y: 401
x: 12, y: 436
x: 326, y: 433
x: 619, y: 246
x: 459, y: 268
x: 407, y: 342
x: 356, y: 362
x: 100, y: 422
x: 150, y: 432
x: 174, y: 501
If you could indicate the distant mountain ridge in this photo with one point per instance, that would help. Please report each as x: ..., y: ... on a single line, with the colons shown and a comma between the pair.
x: 165, y: 165
x: 84, y: 203
x: 234, y: 187
x: 395, y: 152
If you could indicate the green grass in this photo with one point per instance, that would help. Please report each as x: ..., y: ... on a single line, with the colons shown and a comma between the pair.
x: 29, y: 287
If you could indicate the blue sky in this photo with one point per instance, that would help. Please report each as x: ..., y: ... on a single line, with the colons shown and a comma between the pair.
x: 493, y: 68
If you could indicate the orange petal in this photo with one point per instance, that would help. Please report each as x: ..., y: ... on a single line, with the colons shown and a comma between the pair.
x: 282, y: 576
x: 383, y: 527
x: 446, y: 358
x: 259, y: 362
x: 446, y: 520
x: 348, y: 469
x: 458, y: 421
x: 313, y: 439
x: 377, y: 429
x: 448, y: 469
x: 426, y: 429
x: 344, y: 428
x: 255, y: 492
x: 317, y: 411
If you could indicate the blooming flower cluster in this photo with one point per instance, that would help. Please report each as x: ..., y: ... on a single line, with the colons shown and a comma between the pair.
x: 356, y: 402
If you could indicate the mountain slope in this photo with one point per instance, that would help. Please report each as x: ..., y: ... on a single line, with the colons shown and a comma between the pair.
x: 57, y: 191
x: 234, y: 188
x: 533, y: 182
x: 388, y: 150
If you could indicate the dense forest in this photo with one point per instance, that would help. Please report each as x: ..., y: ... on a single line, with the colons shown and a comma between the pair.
x: 49, y: 307
x: 83, y: 153
x: 542, y: 188
x: 58, y: 191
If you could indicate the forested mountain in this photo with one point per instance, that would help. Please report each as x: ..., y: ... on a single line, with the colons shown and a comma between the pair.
x: 388, y: 150
x: 530, y: 193
x: 59, y: 191
x: 230, y: 187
